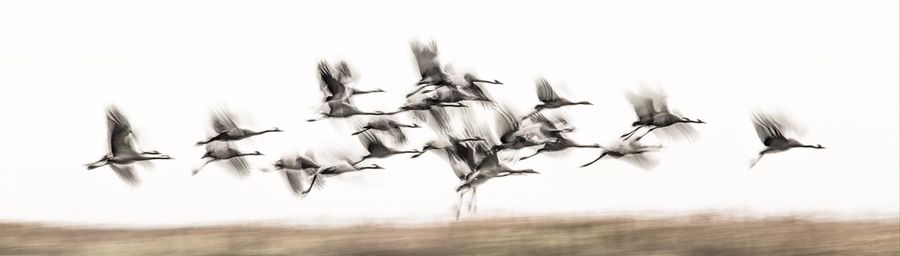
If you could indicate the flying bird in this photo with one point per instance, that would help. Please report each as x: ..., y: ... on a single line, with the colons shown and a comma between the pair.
x: 631, y: 151
x: 334, y: 86
x: 376, y: 148
x: 227, y: 130
x: 652, y: 111
x: 222, y: 151
x: 122, y: 148
x: 770, y: 130
x: 550, y: 99
x: 298, y: 169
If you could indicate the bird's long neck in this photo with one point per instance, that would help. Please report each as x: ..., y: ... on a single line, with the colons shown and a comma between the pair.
x: 809, y: 146
x: 265, y: 131
x: 356, y: 91
x: 512, y: 172
x: 153, y: 157
x: 586, y: 146
x: 685, y: 120
x: 486, y: 81
x: 404, y: 151
x: 366, y: 168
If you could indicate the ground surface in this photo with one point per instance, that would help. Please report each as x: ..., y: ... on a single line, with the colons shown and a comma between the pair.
x: 533, y: 236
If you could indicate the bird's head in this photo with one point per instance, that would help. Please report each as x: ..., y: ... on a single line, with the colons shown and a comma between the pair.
x: 819, y: 146
x: 256, y: 153
x: 375, y: 166
x: 378, y: 90
x: 584, y: 103
x: 275, y: 129
x: 279, y: 164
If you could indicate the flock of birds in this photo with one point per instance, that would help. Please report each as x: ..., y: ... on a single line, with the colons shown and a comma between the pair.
x: 471, y: 130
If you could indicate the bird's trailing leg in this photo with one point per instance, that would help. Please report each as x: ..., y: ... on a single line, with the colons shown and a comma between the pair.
x: 366, y: 128
x: 201, y: 166
x: 629, y: 134
x: 754, y: 161
x: 361, y: 160
x: 595, y: 160
x: 535, y: 153
x: 645, y: 134
x: 485, y: 81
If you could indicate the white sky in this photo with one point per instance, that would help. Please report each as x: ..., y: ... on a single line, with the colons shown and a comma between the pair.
x: 833, y: 65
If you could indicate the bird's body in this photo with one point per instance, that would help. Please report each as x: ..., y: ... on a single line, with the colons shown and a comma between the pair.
x: 343, y: 109
x: 550, y: 99
x: 561, y: 143
x: 377, y: 149
x: 227, y: 130
x: 122, y: 148
x: 334, y: 86
x: 385, y: 124
x: 629, y: 148
x: 222, y: 151
x: 653, y: 112
x: 771, y: 133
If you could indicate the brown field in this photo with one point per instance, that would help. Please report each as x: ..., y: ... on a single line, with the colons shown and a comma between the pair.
x: 699, y: 235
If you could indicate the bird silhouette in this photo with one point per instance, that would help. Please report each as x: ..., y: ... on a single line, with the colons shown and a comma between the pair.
x: 652, y: 111
x: 221, y: 151
x: 334, y: 86
x: 122, y: 148
x: 629, y: 150
x: 550, y: 99
x: 226, y: 129
x: 376, y: 148
x: 770, y: 129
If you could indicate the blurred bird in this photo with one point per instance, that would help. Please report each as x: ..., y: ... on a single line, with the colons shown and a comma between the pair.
x: 561, y: 143
x: 218, y: 151
x: 770, y: 129
x: 376, y: 148
x: 122, y: 148
x: 653, y: 111
x: 298, y: 169
x: 227, y: 130
x: 550, y: 99
x: 342, y: 108
x: 629, y: 150
x: 433, y: 75
x: 334, y: 86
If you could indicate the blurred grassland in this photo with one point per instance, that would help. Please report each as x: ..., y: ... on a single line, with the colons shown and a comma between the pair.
x: 697, y: 235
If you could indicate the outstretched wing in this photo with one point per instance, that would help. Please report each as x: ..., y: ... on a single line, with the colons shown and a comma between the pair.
x: 330, y: 85
x: 545, y: 92
x: 767, y: 128
x: 643, y: 106
x: 295, y: 181
x: 223, y: 121
x: 239, y: 166
x: 121, y: 137
x: 126, y: 173
x: 426, y: 58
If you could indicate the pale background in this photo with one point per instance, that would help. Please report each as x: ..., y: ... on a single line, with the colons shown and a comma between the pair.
x: 832, y: 65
